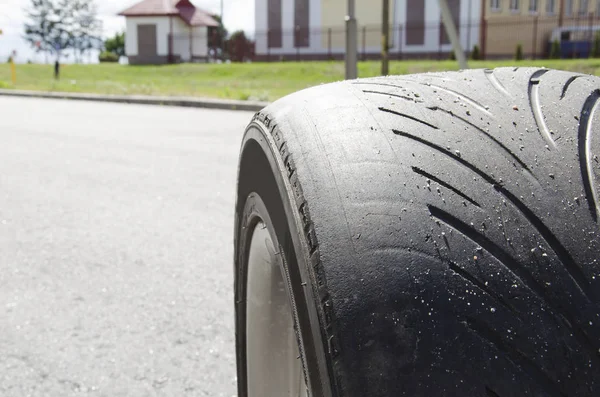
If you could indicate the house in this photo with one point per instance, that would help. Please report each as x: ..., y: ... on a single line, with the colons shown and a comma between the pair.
x: 529, y: 23
x: 166, y: 31
x: 314, y: 29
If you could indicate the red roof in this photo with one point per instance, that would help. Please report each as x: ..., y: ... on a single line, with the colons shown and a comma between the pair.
x: 182, y: 8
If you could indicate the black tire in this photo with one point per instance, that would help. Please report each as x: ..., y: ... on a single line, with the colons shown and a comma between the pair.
x: 439, y: 232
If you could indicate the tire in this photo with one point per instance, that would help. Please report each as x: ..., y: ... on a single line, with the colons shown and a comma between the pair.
x: 437, y: 234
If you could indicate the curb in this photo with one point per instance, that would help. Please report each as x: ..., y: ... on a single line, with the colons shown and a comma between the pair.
x: 205, y: 103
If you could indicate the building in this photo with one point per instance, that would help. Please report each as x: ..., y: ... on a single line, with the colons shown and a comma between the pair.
x: 166, y: 31
x: 529, y: 23
x: 314, y: 29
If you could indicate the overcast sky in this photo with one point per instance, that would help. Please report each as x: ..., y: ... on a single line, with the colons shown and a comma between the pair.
x: 239, y: 14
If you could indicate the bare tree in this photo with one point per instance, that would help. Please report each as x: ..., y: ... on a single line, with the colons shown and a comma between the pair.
x: 85, y: 27
x: 54, y: 26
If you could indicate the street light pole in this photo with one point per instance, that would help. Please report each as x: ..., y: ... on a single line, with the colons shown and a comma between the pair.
x: 385, y: 39
x: 351, y: 42
x: 453, y: 34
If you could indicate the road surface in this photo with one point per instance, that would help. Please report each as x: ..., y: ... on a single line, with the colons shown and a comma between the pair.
x: 116, y: 227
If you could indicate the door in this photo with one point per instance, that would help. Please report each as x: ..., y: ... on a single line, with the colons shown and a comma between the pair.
x: 147, y: 41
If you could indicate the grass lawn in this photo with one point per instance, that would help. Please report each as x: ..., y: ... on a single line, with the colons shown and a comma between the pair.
x: 258, y: 81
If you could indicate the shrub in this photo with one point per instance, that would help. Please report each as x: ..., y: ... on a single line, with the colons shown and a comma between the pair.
x: 555, y: 50
x: 452, y: 56
x: 519, y: 52
x: 475, y: 54
x: 595, y: 52
x: 108, y: 57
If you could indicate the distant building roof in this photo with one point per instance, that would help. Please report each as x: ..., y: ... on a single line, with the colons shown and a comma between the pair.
x: 181, y: 8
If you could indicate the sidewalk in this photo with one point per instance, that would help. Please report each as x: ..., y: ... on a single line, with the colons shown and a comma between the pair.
x: 144, y: 100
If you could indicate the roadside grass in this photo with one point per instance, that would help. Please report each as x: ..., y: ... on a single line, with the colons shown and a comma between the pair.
x: 250, y: 81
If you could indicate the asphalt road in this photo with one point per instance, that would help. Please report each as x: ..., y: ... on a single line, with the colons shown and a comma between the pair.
x: 116, y: 227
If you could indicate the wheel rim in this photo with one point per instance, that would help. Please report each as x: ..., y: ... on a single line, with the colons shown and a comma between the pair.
x: 272, y: 356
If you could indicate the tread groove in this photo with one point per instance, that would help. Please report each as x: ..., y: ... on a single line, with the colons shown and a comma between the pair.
x: 585, y: 156
x: 519, y: 271
x: 518, y: 358
x: 567, y: 85
x: 538, y: 114
x: 404, y: 80
x: 426, y: 174
x: 497, y: 142
x: 389, y: 94
x: 490, y: 392
x: 408, y: 117
x: 465, y: 98
x: 379, y: 84
x: 561, y: 252
x: 493, y: 249
x: 470, y: 278
x: 489, y: 73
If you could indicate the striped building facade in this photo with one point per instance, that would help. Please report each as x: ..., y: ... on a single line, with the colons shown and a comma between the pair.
x: 314, y: 29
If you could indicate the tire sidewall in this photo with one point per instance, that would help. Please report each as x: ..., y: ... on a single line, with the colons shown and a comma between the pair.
x: 267, y: 195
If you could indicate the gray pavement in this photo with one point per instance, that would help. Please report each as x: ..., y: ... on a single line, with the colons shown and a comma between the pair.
x: 193, y: 102
x: 116, y: 249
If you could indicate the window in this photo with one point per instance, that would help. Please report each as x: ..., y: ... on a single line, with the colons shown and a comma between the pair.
x: 495, y: 5
x: 274, y: 18
x: 568, y: 8
x: 533, y: 5
x: 415, y: 25
x: 583, y: 7
x: 514, y: 5
x: 550, y: 6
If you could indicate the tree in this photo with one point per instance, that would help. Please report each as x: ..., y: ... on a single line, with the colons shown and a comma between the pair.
x: 217, y: 35
x: 57, y: 25
x: 43, y: 30
x: 84, y: 26
x: 239, y: 47
x: 116, y: 44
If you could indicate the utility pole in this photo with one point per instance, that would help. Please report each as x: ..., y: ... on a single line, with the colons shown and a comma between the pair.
x: 222, y: 35
x: 385, y: 39
x: 453, y: 34
x: 351, y: 42
x: 561, y: 12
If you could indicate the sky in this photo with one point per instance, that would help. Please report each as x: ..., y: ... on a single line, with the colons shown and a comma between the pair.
x: 239, y: 14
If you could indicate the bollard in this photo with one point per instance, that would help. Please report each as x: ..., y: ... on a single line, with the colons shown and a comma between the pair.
x: 13, y: 72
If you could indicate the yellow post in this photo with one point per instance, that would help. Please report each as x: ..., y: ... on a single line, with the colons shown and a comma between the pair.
x: 13, y: 72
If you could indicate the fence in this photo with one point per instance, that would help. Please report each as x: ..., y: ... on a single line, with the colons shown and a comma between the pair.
x: 187, y: 47
x: 495, y: 38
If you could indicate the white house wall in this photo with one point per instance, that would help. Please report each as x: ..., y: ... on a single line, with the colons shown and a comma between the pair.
x: 181, y: 39
x: 162, y: 33
x: 180, y: 27
x: 260, y: 24
x: 200, y: 44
